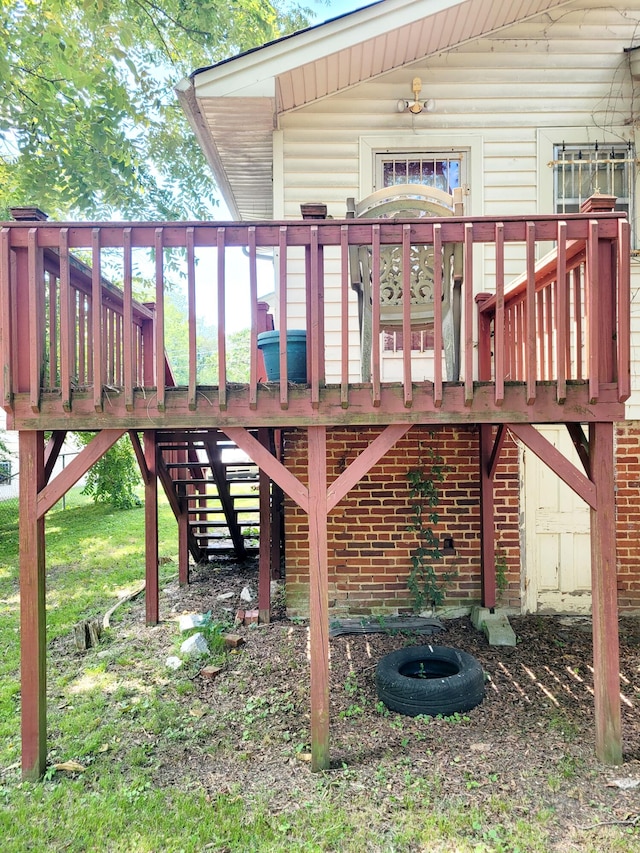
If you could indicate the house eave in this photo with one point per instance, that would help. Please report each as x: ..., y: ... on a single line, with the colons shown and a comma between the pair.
x: 319, y: 62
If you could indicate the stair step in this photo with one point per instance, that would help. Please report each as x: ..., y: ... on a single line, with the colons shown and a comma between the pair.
x: 213, y: 496
x: 205, y: 510
x: 200, y: 480
x: 171, y: 465
x: 206, y: 525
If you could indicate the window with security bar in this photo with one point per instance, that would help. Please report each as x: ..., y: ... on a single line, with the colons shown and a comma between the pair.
x: 582, y: 170
x: 443, y: 171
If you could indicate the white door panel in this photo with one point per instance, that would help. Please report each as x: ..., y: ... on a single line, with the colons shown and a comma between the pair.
x: 557, y: 570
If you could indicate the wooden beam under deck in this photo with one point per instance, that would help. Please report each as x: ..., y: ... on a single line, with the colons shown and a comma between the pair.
x: 361, y: 410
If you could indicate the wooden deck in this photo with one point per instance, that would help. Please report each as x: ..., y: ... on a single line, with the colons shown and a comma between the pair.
x: 78, y: 353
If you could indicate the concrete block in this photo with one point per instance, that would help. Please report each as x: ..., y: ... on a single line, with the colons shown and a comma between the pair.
x: 499, y: 632
x: 479, y: 615
x: 495, y: 625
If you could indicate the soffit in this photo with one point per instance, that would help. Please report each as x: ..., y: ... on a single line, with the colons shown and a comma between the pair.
x: 394, y: 48
x: 243, y: 134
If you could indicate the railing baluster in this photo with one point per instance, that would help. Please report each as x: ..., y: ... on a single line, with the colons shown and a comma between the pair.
x: 222, y: 347
x: 561, y: 308
x: 406, y: 316
x: 159, y: 327
x: 118, y: 379
x: 53, y: 330
x: 468, y: 313
x: 549, y: 311
x: 67, y: 330
x: 316, y: 324
x: 541, y: 349
x: 530, y: 313
x: 111, y: 360
x: 191, y: 314
x: 97, y: 339
x: 131, y: 348
x: 499, y: 324
x: 519, y: 340
x: 344, y: 316
x: 80, y: 321
x: 623, y: 330
x: 253, y: 302
x: 282, y: 294
x: 593, y: 300
x: 36, y: 320
x: 375, y: 315
x: 579, y: 280
x: 5, y: 319
x: 437, y: 314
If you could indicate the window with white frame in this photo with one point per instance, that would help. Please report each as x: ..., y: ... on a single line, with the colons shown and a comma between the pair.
x: 579, y: 171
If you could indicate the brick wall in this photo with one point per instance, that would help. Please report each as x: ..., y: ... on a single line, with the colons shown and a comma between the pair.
x: 369, y: 545
x: 628, y: 514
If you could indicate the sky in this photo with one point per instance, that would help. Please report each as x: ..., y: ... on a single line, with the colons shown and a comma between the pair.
x: 323, y: 11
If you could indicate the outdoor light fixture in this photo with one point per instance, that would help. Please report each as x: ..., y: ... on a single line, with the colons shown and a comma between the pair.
x: 416, y: 106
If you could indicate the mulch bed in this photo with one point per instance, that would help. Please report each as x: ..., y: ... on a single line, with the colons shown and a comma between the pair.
x: 531, y: 740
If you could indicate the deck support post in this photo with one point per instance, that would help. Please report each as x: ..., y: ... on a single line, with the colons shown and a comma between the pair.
x: 32, y: 607
x: 264, y: 560
x: 318, y: 597
x: 487, y: 519
x: 606, y: 652
x: 151, y: 527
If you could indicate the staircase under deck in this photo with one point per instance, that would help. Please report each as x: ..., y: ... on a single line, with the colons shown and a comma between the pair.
x: 77, y: 353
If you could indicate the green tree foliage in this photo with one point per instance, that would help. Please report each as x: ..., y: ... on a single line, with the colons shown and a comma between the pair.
x: 90, y: 126
x: 114, y: 477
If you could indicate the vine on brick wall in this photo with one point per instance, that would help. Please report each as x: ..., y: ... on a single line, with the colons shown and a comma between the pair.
x: 426, y: 585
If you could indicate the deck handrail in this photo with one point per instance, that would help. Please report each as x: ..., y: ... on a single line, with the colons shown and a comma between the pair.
x: 82, y: 334
x: 543, y: 329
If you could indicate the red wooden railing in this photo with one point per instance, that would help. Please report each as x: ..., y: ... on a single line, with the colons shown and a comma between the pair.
x: 66, y: 329
x: 565, y: 318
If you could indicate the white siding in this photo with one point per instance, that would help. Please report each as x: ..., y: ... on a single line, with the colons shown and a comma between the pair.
x: 565, y: 69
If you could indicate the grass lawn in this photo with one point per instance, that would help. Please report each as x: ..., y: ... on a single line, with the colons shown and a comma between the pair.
x: 121, y: 714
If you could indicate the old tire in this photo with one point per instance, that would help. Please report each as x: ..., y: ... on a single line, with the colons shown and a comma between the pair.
x: 429, y: 680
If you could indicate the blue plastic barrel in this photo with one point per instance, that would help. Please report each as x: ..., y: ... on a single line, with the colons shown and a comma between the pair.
x: 269, y: 343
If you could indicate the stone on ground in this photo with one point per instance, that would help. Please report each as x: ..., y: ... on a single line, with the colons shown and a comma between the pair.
x: 195, y: 645
x: 191, y: 620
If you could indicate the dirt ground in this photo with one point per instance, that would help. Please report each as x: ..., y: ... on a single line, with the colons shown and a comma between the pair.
x: 531, y: 741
